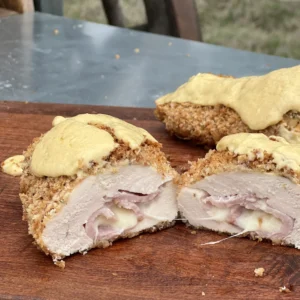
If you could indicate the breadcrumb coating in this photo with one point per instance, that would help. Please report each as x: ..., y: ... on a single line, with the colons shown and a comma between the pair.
x: 219, y: 162
x: 208, y: 124
x: 44, y: 197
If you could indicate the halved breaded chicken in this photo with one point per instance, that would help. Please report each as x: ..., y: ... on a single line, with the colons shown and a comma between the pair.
x: 93, y: 179
x: 250, y: 185
x: 208, y: 107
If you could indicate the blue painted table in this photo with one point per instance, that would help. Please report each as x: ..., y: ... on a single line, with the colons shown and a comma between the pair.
x: 46, y: 58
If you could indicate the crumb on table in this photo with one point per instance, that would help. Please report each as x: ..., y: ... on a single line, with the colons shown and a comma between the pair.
x: 284, y: 289
x: 193, y: 232
x: 117, y: 56
x: 259, y: 272
x: 60, y: 263
x: 203, y: 294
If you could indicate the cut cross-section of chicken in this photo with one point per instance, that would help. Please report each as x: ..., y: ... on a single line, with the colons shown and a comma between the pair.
x: 97, y: 212
x: 250, y: 185
x: 93, y: 179
x: 209, y: 107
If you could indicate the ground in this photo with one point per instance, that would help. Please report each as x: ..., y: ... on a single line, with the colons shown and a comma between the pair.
x: 266, y: 26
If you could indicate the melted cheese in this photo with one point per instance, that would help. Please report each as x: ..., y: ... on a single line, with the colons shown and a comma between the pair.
x: 123, y: 219
x: 124, y: 131
x: 219, y: 214
x: 251, y: 220
x: 75, y: 142
x: 13, y: 165
x: 260, y: 101
x: 284, y: 154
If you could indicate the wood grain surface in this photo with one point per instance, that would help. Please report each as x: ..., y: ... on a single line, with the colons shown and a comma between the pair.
x: 169, y: 264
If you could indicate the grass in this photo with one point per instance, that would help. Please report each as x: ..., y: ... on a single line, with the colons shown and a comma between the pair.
x: 89, y: 10
x: 266, y: 26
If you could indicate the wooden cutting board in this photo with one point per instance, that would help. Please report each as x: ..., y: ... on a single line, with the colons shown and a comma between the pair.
x: 170, y: 264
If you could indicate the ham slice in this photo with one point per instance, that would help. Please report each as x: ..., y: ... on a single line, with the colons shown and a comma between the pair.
x: 102, y: 223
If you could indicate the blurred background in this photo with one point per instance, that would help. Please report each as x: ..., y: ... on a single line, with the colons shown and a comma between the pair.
x: 266, y: 26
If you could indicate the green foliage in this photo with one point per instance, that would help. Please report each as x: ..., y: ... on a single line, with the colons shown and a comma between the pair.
x: 89, y: 10
x: 267, y: 26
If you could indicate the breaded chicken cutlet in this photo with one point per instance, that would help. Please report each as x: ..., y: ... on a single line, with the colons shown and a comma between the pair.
x: 208, y: 107
x: 93, y: 179
x: 250, y: 185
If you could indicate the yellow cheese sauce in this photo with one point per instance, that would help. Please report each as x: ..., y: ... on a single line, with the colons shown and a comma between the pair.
x: 260, y: 101
x: 13, y: 165
x: 73, y: 143
x: 290, y: 136
x: 124, y: 131
x: 284, y: 154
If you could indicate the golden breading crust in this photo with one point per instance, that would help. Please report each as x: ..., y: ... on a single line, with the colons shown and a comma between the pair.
x: 44, y: 197
x: 208, y: 124
x: 218, y: 162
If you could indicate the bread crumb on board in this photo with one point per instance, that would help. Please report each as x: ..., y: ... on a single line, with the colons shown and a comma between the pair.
x: 284, y: 289
x: 115, y: 274
x: 203, y: 294
x: 193, y: 232
x: 117, y: 56
x: 137, y: 50
x: 259, y: 272
x: 60, y: 263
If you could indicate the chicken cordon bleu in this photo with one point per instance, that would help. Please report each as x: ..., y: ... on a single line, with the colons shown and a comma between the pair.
x: 208, y: 106
x: 92, y: 179
x: 250, y: 186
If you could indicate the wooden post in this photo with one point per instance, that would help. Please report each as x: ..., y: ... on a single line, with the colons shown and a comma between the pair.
x: 54, y: 7
x: 114, y: 12
x: 173, y: 17
x: 184, y: 19
x: 158, y: 20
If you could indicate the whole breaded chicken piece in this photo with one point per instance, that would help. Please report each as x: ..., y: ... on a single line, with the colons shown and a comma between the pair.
x: 92, y: 179
x: 208, y: 107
